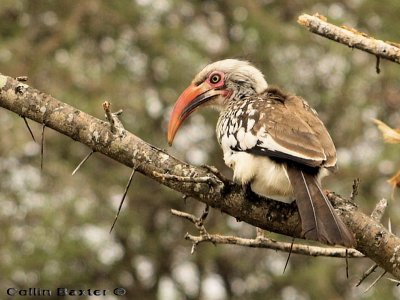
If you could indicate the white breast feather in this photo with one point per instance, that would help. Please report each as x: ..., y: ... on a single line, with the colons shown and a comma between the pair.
x: 267, y: 178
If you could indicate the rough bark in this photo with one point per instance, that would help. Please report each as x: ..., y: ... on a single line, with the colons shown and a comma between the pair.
x: 373, y: 240
x: 351, y: 37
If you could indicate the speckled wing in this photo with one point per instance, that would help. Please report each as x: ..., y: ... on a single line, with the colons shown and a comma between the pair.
x: 285, y: 127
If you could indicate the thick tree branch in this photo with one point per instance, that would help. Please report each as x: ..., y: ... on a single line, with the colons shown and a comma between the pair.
x: 373, y: 240
x: 351, y: 37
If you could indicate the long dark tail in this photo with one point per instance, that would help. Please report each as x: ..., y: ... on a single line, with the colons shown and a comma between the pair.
x: 318, y: 218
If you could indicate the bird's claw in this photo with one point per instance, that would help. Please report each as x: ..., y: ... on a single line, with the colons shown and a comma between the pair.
x: 216, y: 172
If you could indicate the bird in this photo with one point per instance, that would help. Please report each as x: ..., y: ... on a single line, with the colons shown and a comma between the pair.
x: 273, y: 141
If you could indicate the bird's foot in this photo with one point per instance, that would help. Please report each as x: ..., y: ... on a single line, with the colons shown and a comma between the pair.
x: 216, y: 172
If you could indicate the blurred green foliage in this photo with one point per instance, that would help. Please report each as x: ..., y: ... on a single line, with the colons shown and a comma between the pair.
x: 140, y: 55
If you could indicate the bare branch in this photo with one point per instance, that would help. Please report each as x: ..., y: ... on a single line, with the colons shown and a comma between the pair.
x: 351, y: 37
x: 354, y: 191
x: 116, y: 124
x: 275, y: 245
x: 260, y: 241
x: 204, y: 179
x: 373, y: 239
x: 379, y: 210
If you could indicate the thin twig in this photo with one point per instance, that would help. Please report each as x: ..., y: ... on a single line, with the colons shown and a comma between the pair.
x: 123, y: 197
x: 350, y: 37
x: 42, y: 147
x: 259, y: 232
x: 199, y: 179
x: 379, y: 210
x: 115, y: 123
x: 262, y: 242
x: 198, y: 222
x: 107, y: 110
x: 29, y: 129
x: 83, y: 161
x: 275, y: 245
x: 354, y: 191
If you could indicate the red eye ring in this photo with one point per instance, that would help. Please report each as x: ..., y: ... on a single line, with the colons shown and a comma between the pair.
x: 215, y: 78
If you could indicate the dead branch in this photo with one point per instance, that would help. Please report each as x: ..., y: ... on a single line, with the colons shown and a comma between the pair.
x: 351, y: 37
x: 115, y: 123
x: 354, y: 191
x: 373, y: 239
x: 203, y: 179
x: 261, y: 241
x: 379, y: 210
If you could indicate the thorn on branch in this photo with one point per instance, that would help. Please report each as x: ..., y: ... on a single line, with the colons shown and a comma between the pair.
x: 375, y: 281
x: 377, y: 65
x: 29, y: 128
x: 123, y: 197
x: 373, y: 268
x: 394, y: 280
x: 83, y: 161
x: 366, y: 274
x: 42, y: 147
x: 288, y: 258
x: 347, y: 264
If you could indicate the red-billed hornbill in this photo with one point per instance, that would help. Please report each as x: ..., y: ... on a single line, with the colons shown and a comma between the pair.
x: 272, y: 140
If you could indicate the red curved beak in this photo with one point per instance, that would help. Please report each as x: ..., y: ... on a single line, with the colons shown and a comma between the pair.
x: 188, y: 101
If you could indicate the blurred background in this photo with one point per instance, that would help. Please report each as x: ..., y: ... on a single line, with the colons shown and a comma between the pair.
x: 139, y: 55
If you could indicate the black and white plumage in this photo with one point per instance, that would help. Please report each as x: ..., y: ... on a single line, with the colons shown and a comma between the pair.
x: 272, y: 140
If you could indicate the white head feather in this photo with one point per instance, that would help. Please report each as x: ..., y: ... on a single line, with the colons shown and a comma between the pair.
x: 237, y: 70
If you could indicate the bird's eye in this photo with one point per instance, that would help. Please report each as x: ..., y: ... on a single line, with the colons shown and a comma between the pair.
x: 215, y: 78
